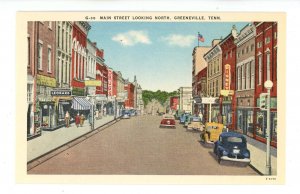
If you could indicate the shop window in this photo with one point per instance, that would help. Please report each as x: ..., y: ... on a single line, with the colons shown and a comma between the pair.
x: 273, y: 126
x: 261, y: 124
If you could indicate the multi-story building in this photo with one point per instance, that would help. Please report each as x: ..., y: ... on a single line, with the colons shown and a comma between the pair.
x: 200, y: 91
x: 245, y: 79
x: 214, y: 74
x: 121, y: 94
x: 32, y: 103
x: 45, y: 79
x: 185, y: 99
x: 64, y: 30
x: 79, y: 54
x: 174, y: 103
x: 265, y: 69
x: 101, y: 75
x: 139, y: 97
x: 90, y: 69
x: 227, y: 102
x: 129, y: 87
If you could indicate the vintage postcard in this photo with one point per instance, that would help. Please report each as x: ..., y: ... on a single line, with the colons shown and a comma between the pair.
x: 151, y: 97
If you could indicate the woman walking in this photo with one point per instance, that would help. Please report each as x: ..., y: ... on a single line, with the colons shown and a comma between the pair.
x: 82, y: 118
x: 77, y: 120
x: 67, y: 119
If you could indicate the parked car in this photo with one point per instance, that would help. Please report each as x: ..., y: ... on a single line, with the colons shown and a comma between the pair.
x: 188, y: 120
x: 183, y: 118
x: 126, y: 114
x: 132, y: 112
x: 233, y: 147
x: 168, y: 121
x: 211, y: 133
x: 195, y: 124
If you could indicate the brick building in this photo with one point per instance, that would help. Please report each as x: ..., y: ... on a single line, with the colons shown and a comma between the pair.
x: 265, y: 69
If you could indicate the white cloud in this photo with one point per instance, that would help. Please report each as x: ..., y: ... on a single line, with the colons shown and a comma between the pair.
x: 179, y: 40
x: 131, y: 38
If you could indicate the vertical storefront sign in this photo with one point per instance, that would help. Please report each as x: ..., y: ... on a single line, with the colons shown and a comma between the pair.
x: 227, y: 77
x: 110, y: 81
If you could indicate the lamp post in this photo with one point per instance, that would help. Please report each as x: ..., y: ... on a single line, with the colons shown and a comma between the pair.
x: 268, y: 85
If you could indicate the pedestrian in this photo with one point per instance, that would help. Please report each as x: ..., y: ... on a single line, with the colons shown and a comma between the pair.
x: 82, y: 118
x: 220, y: 118
x: 97, y: 114
x: 67, y: 119
x: 77, y: 120
x: 200, y: 116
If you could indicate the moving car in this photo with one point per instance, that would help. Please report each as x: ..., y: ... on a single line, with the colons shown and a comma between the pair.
x: 126, y: 114
x: 233, y: 147
x: 168, y: 121
x: 195, y: 124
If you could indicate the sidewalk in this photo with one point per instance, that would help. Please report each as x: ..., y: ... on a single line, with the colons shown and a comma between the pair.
x: 50, y: 140
x: 258, y: 156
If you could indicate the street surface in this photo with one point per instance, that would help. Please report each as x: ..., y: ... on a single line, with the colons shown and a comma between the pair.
x: 137, y: 146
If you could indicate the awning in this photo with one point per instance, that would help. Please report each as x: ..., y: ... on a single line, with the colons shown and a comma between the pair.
x: 80, y: 103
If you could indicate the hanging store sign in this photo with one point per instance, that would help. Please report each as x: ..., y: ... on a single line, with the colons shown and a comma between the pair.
x: 227, y: 77
x: 45, y: 81
x: 61, y: 93
x: 227, y: 92
x: 92, y: 83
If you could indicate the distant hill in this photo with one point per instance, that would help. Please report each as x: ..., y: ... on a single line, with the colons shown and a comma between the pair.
x: 160, y: 96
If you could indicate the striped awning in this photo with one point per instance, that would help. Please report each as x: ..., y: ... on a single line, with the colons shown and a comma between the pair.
x: 81, y: 103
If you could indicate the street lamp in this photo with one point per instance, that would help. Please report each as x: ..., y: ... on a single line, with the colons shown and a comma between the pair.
x: 268, y: 85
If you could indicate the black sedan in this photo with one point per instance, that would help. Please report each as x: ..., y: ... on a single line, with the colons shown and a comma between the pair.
x: 233, y: 147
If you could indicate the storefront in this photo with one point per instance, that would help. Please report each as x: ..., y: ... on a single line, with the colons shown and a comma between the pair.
x: 100, y: 104
x: 80, y: 105
x: 63, y: 103
x: 261, y: 123
x: 245, y: 121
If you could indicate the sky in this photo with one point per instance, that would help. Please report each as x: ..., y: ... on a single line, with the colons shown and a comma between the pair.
x: 159, y: 54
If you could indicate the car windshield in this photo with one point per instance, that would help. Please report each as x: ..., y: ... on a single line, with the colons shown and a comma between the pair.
x: 235, y: 141
x: 195, y: 119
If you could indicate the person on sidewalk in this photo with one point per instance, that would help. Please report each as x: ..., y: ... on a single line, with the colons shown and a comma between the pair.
x: 82, y: 118
x: 97, y: 114
x: 67, y: 119
x: 77, y: 120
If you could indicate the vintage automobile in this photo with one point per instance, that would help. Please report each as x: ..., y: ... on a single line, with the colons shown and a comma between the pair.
x: 211, y: 132
x: 183, y: 118
x: 126, y: 114
x: 233, y: 147
x: 195, y: 124
x: 188, y: 120
x: 168, y: 121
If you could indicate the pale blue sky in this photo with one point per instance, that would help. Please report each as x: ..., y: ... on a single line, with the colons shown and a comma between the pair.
x: 159, y: 54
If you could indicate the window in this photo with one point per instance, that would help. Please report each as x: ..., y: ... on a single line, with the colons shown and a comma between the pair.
x: 267, y: 40
x: 62, y: 71
x: 247, y: 49
x: 252, y: 47
x: 49, y: 60
x: 231, y: 54
x: 29, y: 92
x: 259, y: 44
x: 57, y: 69
x: 252, y: 74
x: 239, y: 78
x: 65, y: 71
x: 28, y: 51
x: 275, y: 35
x: 259, y: 69
x: 226, y: 56
x: 268, y: 66
x: 247, y: 76
x: 58, y: 36
x: 62, y: 39
x: 50, y: 24
x: 40, y: 54
x: 243, y: 77
x: 217, y: 88
x: 242, y: 51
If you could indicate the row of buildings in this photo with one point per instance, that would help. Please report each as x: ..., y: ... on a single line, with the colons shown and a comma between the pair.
x: 233, y: 70
x: 67, y: 72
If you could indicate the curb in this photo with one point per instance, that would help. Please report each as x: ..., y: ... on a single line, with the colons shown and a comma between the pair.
x: 50, y: 154
x: 256, y: 170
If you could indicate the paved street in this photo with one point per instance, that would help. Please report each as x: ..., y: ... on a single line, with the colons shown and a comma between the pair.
x: 138, y: 146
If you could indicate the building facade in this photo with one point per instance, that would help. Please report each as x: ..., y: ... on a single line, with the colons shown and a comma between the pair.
x: 129, y: 102
x: 185, y: 99
x: 245, y: 79
x: 214, y: 74
x: 227, y: 102
x: 64, y: 30
x: 265, y: 69
x: 79, y: 54
x: 45, y: 78
x: 90, y: 72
